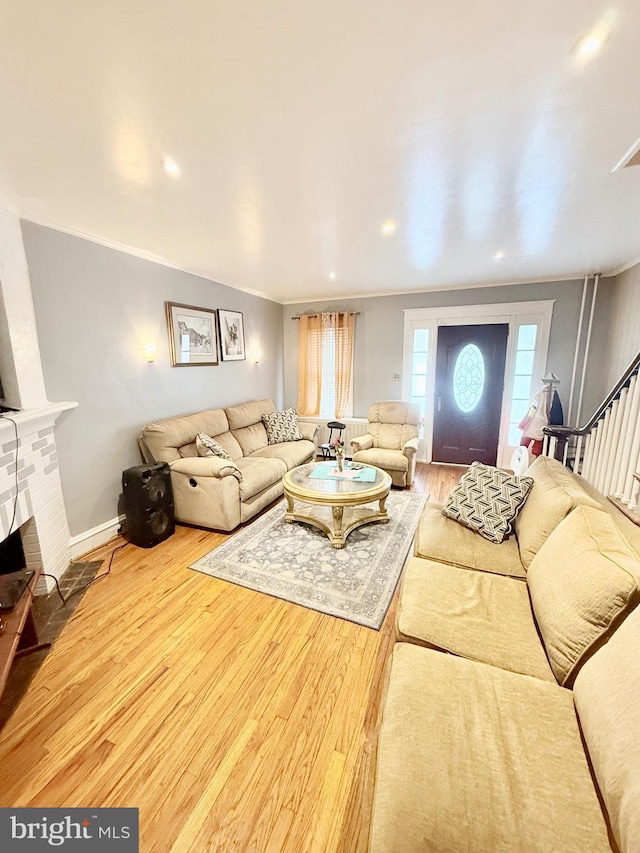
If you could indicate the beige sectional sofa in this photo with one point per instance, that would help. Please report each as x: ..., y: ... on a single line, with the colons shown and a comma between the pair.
x: 511, y: 720
x: 208, y: 491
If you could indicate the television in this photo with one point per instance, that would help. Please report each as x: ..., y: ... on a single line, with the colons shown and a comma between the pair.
x: 12, y: 557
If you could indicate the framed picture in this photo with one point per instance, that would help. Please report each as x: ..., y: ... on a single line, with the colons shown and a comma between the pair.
x: 231, y: 335
x: 193, y: 335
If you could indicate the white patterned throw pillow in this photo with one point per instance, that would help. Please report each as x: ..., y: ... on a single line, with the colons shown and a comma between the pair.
x: 487, y: 500
x: 207, y: 446
x: 282, y: 426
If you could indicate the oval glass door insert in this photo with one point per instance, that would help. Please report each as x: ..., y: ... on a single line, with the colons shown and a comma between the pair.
x: 468, y: 378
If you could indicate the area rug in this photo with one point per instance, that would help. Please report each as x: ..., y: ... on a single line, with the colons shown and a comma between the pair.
x: 297, y: 562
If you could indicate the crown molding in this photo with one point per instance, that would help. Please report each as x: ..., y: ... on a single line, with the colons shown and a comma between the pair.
x: 624, y: 268
x: 474, y: 286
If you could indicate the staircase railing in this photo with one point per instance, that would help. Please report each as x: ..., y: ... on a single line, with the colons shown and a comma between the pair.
x: 606, y: 450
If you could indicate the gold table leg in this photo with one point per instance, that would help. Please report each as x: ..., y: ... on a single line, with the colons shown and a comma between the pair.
x: 337, y: 540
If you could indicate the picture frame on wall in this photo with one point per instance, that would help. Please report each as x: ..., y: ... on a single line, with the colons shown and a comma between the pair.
x: 193, y: 335
x: 232, y: 346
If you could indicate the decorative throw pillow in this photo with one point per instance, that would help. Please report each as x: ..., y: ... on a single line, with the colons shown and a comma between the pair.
x: 282, y: 426
x: 486, y: 500
x: 207, y: 446
x: 582, y: 583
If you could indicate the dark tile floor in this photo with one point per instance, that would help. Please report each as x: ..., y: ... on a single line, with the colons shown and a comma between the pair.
x: 50, y: 616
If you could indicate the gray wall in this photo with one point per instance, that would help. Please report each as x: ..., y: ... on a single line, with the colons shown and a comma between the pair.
x: 380, y: 329
x: 615, y: 336
x: 95, y: 308
x: 623, y: 325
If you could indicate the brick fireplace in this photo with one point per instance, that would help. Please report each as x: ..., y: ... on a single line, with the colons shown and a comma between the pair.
x: 39, y: 511
x: 31, y: 499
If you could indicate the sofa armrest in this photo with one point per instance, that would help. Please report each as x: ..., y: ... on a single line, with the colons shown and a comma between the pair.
x: 362, y: 442
x: 206, y: 466
x: 410, y: 447
x: 308, y: 429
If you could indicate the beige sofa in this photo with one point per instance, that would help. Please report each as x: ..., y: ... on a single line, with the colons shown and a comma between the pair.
x: 483, y: 744
x: 209, y: 492
x: 555, y: 494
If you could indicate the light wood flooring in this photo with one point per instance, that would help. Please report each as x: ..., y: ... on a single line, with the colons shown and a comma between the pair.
x: 232, y: 720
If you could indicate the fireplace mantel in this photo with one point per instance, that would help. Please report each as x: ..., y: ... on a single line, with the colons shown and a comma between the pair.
x: 32, y: 420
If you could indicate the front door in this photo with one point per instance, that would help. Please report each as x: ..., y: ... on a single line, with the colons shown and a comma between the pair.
x: 468, y: 398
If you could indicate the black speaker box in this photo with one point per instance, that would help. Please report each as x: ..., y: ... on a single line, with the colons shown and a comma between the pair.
x: 148, y: 504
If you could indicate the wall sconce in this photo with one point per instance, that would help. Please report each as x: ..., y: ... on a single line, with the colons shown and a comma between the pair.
x: 150, y: 351
x: 257, y: 355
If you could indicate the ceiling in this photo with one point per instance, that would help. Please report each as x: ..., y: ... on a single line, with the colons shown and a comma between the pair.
x: 299, y: 129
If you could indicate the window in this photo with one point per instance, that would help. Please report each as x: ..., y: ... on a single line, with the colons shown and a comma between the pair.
x: 419, y: 369
x: 468, y: 378
x: 325, y: 365
x: 523, y: 374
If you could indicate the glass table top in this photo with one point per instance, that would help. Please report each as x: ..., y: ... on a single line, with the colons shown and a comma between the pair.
x: 299, y: 477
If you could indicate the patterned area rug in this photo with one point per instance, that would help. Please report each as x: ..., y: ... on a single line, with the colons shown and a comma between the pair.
x: 298, y: 563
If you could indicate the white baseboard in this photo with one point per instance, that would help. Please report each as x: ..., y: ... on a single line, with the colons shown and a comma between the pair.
x: 90, y: 539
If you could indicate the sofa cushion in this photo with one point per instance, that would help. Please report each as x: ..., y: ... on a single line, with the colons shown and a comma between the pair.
x: 292, y: 453
x: 246, y: 414
x: 207, y: 446
x: 582, y: 582
x: 442, y: 539
x: 388, y: 460
x: 628, y: 528
x: 282, y: 426
x: 227, y: 442
x: 259, y: 474
x: 477, y: 615
x: 171, y: 439
x: 554, y: 494
x: 607, y: 696
x: 245, y: 421
x: 473, y: 758
x: 486, y: 500
x: 251, y: 438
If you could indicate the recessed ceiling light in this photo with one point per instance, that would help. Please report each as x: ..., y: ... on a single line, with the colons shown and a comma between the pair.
x: 589, y: 46
x: 332, y: 274
x: 171, y: 167
x: 389, y: 226
x: 499, y: 256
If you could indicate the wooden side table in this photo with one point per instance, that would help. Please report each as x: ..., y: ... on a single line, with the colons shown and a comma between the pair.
x: 18, y: 635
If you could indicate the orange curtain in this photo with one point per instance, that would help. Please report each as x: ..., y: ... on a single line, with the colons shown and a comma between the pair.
x: 309, y: 365
x: 344, y: 326
x: 325, y: 353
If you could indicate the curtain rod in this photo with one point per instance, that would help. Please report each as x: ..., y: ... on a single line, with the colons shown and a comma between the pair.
x: 353, y: 314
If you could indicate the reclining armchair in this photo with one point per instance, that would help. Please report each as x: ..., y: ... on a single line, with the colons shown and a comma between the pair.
x: 391, y: 441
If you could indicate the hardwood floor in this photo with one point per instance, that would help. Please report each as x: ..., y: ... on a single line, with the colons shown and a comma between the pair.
x: 232, y: 720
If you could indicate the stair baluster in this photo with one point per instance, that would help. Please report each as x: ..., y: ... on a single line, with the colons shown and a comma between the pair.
x: 625, y: 405
x: 626, y: 463
x: 606, y: 451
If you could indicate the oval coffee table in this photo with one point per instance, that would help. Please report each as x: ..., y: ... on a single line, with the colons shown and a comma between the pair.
x: 335, y: 506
